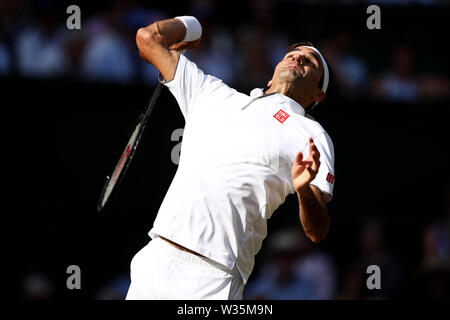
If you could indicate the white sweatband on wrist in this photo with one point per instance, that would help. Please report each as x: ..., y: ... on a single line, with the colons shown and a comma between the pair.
x: 193, y: 28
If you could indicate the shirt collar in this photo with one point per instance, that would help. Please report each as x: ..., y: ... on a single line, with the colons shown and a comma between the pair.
x: 281, y: 99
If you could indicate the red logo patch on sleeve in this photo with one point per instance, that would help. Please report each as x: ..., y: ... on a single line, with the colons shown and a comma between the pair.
x: 281, y: 116
x: 330, y: 178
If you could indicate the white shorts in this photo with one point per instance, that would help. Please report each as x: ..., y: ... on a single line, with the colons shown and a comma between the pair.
x: 160, y: 271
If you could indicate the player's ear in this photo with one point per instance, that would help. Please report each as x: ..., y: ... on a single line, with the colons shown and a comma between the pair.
x: 320, y: 95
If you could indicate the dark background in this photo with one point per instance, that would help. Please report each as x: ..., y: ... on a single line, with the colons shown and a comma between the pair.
x: 67, y: 131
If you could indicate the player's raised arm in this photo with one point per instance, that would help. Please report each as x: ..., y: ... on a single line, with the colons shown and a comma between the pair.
x: 313, y: 213
x: 159, y: 42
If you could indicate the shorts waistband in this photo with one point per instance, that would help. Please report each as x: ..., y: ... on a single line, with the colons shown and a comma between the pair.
x: 190, y: 257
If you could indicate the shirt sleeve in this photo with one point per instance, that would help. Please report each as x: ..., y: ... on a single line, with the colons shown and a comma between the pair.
x: 324, y: 179
x: 189, y: 84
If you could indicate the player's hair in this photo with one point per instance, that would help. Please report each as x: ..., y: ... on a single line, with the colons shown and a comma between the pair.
x: 293, y: 46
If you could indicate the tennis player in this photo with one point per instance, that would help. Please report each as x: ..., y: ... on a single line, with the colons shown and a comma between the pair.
x: 241, y: 156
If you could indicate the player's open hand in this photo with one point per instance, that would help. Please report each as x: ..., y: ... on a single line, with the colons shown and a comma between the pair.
x: 305, y: 170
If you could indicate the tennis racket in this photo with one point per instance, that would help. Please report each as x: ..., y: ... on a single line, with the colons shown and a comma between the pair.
x: 113, y: 181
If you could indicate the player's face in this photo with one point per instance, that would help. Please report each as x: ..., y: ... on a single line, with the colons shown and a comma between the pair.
x: 301, y: 67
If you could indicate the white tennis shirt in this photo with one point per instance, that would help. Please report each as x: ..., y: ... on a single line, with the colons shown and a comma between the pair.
x: 235, y: 166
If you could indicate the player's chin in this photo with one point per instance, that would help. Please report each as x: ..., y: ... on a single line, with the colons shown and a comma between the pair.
x: 290, y: 74
x: 291, y: 70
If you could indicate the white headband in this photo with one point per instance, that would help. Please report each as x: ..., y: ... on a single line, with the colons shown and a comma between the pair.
x: 326, y: 75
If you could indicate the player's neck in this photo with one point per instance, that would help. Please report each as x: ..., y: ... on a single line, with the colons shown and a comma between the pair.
x: 288, y: 91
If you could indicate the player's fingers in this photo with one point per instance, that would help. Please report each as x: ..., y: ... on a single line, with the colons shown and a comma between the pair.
x: 190, y: 45
x: 311, y: 143
x: 315, y: 164
x: 311, y: 170
x: 194, y: 44
x: 299, y: 158
x: 313, y: 149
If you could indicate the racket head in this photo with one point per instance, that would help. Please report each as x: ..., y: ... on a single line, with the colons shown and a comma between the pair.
x: 113, y: 181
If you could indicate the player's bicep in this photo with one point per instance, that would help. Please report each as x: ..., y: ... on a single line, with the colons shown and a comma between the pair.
x: 166, y: 62
x: 153, y: 50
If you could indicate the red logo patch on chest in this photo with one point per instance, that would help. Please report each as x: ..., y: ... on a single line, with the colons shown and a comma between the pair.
x: 330, y: 178
x: 281, y: 116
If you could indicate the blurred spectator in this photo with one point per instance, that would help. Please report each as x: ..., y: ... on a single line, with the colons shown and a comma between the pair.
x: 39, y: 47
x: 373, y: 251
x: 74, y: 46
x: 5, y: 59
x: 202, y: 9
x: 434, y: 87
x: 400, y: 82
x: 135, y: 15
x: 116, y: 289
x: 216, y: 55
x: 37, y: 286
x: 109, y: 55
x: 261, y: 45
x: 435, y: 246
x: 254, y: 66
x: 268, y: 29
x: 353, y: 284
x: 293, y: 271
x: 432, y: 278
x: 318, y: 267
x: 12, y: 18
x: 278, y: 44
x: 349, y: 71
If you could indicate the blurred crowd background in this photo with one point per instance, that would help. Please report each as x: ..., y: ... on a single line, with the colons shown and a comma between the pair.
x: 404, y: 64
x: 240, y: 49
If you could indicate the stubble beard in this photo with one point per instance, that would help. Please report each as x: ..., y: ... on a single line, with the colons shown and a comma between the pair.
x: 290, y: 75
